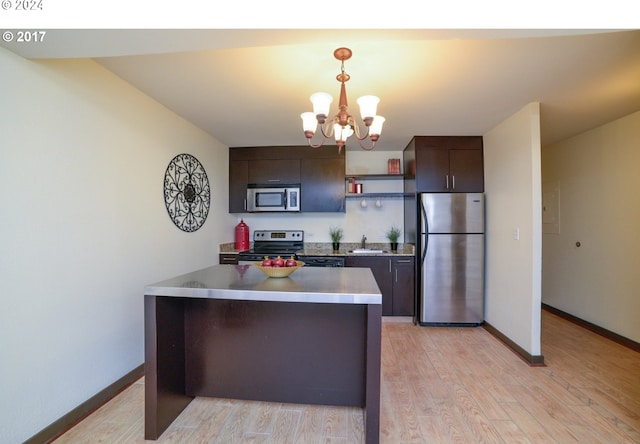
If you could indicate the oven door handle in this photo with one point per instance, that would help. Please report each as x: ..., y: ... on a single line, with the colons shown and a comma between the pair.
x: 322, y: 262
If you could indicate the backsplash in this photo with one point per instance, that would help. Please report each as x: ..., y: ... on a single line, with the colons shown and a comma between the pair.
x: 371, y: 222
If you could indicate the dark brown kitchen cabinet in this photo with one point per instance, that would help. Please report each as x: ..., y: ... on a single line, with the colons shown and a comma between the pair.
x: 228, y: 259
x: 274, y: 171
x: 238, y: 180
x: 381, y: 268
x: 395, y: 277
x: 448, y: 164
x: 403, y: 286
x: 322, y: 185
x: 319, y: 171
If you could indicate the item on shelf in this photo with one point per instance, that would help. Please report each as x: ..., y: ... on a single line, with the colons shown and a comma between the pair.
x: 393, y: 166
x: 358, y: 189
x: 352, y: 185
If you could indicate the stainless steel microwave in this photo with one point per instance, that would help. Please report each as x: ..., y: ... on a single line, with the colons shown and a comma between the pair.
x: 273, y: 198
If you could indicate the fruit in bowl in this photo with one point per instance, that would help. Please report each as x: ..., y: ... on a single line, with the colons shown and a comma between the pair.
x: 278, y: 262
x: 278, y: 267
x: 267, y: 262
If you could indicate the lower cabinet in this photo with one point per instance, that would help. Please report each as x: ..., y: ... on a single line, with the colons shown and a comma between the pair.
x: 229, y: 258
x: 395, y: 277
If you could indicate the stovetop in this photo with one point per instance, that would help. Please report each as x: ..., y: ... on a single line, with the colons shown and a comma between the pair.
x: 274, y: 243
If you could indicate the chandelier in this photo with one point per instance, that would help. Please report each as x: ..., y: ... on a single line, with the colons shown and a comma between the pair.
x: 342, y: 125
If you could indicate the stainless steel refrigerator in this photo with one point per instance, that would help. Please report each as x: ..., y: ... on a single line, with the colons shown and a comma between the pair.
x: 451, y: 246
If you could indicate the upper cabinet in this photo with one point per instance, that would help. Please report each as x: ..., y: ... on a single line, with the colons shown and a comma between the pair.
x: 274, y: 171
x: 322, y: 185
x: 319, y: 171
x: 446, y: 164
x: 238, y: 180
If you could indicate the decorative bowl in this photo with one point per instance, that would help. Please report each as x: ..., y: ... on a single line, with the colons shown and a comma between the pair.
x: 277, y: 272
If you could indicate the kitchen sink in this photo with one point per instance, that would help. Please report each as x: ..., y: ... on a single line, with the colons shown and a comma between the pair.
x: 367, y: 250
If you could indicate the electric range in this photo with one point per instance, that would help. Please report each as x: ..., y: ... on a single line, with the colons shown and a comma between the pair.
x: 273, y: 243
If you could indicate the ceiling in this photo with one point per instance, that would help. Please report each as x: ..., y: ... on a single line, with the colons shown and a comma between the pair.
x: 248, y: 87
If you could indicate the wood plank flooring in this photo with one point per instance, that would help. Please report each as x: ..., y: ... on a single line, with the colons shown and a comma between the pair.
x: 439, y: 385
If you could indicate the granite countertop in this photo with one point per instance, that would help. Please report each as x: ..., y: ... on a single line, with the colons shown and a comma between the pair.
x: 245, y: 282
x: 326, y: 249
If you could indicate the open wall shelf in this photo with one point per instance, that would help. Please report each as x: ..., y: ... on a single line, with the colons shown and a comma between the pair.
x: 374, y: 176
x: 375, y: 195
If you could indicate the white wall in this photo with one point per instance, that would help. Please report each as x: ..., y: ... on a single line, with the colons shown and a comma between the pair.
x: 513, y: 201
x: 596, y: 175
x: 371, y: 221
x: 83, y: 228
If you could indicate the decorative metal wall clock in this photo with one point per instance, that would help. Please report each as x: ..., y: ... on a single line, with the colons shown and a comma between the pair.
x: 187, y: 195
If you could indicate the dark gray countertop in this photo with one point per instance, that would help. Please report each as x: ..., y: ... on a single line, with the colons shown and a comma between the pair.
x: 245, y: 282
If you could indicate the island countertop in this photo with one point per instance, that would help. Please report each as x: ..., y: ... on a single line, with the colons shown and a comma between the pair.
x: 245, y: 282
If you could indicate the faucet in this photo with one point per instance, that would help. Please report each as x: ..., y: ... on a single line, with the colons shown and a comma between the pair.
x: 363, y: 241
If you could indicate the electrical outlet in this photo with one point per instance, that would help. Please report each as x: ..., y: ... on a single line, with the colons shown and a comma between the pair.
x: 516, y: 233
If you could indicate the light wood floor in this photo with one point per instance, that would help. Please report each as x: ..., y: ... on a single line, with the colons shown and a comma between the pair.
x: 439, y: 385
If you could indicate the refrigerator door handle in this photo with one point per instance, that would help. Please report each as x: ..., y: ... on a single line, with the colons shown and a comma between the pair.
x: 424, y: 223
x: 424, y: 229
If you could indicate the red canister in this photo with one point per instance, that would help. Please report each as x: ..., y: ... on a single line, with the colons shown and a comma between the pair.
x: 242, y: 236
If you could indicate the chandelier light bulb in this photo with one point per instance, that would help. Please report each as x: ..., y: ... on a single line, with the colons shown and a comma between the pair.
x: 368, y: 107
x: 309, y: 123
x: 376, y: 126
x: 337, y: 132
x: 348, y: 132
x: 321, y: 105
x: 341, y: 133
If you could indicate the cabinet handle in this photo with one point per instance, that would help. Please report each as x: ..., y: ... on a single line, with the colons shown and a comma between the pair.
x: 453, y: 182
x: 273, y: 180
x: 245, y: 205
x: 396, y: 275
x: 403, y: 261
x: 389, y: 265
x: 447, y: 179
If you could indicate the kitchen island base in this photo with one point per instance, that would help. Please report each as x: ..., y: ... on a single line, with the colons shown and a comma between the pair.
x: 293, y: 352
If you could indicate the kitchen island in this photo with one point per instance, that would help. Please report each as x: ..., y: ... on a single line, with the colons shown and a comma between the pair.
x: 229, y: 331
